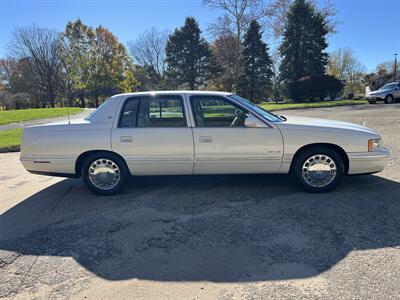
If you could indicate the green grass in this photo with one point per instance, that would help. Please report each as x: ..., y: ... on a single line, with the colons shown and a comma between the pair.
x: 283, y: 106
x: 10, y: 140
x: 23, y: 115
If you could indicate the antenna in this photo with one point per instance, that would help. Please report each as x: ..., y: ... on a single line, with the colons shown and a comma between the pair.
x: 69, y: 118
x: 66, y: 85
x: 66, y: 94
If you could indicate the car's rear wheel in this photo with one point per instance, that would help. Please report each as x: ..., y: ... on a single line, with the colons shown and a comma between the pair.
x: 389, y: 99
x: 318, y: 169
x: 104, y: 173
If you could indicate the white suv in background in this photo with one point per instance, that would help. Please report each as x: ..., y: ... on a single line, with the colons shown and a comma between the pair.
x: 388, y: 93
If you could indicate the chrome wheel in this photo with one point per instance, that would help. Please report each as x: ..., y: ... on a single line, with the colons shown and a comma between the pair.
x: 319, y: 170
x: 104, y: 174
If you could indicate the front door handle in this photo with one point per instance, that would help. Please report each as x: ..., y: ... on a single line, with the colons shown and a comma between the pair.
x: 205, y: 139
x: 126, y: 139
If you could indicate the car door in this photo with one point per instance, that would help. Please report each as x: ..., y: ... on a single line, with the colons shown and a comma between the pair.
x: 153, y: 137
x: 397, y: 91
x: 223, y: 144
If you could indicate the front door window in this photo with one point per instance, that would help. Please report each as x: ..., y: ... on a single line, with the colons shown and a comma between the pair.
x: 211, y: 111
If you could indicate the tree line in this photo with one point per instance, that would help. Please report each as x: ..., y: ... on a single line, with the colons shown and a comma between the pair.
x: 82, y: 66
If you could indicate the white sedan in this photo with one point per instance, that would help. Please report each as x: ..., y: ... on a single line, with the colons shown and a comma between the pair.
x: 193, y: 132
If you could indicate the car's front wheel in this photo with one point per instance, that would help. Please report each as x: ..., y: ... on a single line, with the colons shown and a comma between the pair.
x: 318, y: 169
x: 389, y: 99
x: 371, y: 101
x: 104, y: 173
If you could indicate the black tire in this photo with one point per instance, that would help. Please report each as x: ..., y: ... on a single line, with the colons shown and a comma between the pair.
x: 123, y: 173
x: 305, y: 155
x: 372, y: 102
x: 389, y: 99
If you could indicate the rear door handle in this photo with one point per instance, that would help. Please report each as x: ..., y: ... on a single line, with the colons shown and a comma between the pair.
x: 126, y: 139
x: 205, y: 139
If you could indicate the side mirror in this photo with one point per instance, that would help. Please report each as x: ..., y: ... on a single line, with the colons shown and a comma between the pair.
x: 252, y: 122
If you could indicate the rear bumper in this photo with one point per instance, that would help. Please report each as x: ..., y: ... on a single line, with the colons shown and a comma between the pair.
x: 368, y: 162
x: 49, y: 166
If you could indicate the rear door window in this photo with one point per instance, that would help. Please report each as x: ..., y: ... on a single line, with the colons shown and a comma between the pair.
x: 159, y: 111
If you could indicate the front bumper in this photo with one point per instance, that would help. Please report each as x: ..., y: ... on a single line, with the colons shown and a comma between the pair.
x: 375, y: 98
x: 368, y: 162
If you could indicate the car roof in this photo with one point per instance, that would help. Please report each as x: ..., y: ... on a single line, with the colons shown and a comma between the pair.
x: 176, y: 92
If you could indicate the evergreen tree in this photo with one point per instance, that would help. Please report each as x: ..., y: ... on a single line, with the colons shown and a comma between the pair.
x: 255, y: 81
x: 304, y: 42
x: 190, y: 62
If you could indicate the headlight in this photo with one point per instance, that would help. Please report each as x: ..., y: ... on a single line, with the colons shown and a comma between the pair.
x: 374, y: 145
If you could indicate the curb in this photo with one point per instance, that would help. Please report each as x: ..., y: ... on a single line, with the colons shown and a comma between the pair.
x: 10, y: 149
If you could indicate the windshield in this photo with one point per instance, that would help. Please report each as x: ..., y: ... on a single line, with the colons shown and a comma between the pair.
x: 266, y: 114
x: 389, y: 86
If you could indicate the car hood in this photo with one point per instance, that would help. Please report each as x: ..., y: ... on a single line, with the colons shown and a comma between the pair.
x: 324, y: 124
x: 379, y: 91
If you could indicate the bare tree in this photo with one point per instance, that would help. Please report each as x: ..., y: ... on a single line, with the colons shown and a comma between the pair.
x: 148, y: 50
x: 384, y: 74
x: 277, y: 84
x: 344, y: 65
x: 236, y: 18
x: 386, y: 66
x: 40, y: 48
x: 277, y: 11
x: 16, y: 79
x: 9, y: 74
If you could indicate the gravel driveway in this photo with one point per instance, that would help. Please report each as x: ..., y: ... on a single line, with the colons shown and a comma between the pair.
x: 252, y: 237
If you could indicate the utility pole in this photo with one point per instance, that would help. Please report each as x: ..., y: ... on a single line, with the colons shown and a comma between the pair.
x: 395, y: 67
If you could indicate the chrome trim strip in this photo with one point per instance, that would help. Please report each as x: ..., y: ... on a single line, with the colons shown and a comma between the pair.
x: 369, y: 157
x: 47, y: 160
x: 26, y: 159
x: 158, y: 159
x: 383, y: 154
x: 237, y: 159
x: 201, y: 159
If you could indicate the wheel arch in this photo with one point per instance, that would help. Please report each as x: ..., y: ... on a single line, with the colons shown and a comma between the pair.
x: 390, y: 95
x: 334, y: 147
x: 83, y: 156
